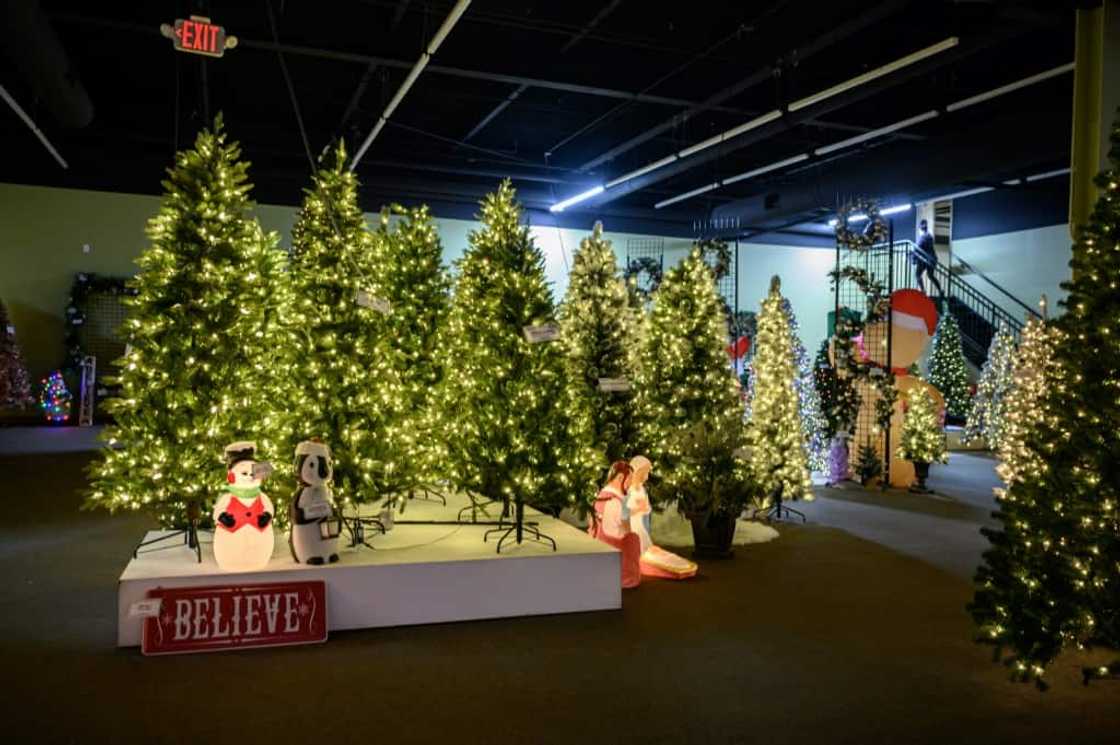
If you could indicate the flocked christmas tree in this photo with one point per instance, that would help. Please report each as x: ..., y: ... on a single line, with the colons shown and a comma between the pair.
x: 200, y: 370
x: 338, y: 355
x: 947, y: 370
x: 1051, y: 579
x: 774, y: 431
x: 986, y: 416
x: 922, y: 439
x: 1034, y: 372
x: 409, y: 274
x: 15, y: 383
x: 599, y: 337
x: 506, y: 431
x: 686, y: 392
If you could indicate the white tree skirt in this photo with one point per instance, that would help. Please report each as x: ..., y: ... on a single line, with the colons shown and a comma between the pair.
x: 670, y: 528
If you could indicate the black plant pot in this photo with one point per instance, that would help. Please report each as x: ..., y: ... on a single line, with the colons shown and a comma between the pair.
x: 921, y: 471
x: 713, y: 533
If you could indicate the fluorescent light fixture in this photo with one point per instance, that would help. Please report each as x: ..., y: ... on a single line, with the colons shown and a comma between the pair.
x: 755, y: 123
x: 686, y: 195
x: 1048, y: 174
x: 875, y: 133
x: 960, y: 194
x: 878, y: 72
x: 860, y: 217
x: 981, y: 97
x: 642, y: 171
x: 581, y: 197
x: 766, y: 169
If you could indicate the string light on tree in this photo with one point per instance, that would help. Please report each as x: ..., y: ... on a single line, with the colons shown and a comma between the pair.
x: 947, y: 370
x: 774, y: 432
x: 922, y: 440
x: 1051, y: 580
x: 987, y: 415
x: 203, y: 336
x: 15, y: 383
x: 55, y: 398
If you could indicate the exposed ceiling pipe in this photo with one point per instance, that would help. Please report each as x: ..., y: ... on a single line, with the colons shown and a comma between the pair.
x: 441, y: 34
x: 30, y: 123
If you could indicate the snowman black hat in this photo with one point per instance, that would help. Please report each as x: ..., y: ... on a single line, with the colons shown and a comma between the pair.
x: 238, y: 451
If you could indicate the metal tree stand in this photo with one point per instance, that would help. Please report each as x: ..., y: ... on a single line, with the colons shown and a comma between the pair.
x: 517, y: 529
x: 189, y: 534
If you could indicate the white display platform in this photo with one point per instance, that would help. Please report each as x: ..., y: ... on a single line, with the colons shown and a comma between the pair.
x: 415, y: 574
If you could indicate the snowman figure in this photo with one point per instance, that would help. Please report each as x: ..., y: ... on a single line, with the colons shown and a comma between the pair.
x: 314, y: 536
x: 243, y: 539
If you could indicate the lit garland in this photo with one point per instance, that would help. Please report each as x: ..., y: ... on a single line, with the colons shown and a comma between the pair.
x: 947, y: 370
x: 1051, y: 580
x: 55, y: 398
x: 15, y: 383
x: 599, y: 334
x: 503, y: 411
x: 687, y: 396
x: 987, y: 415
x: 774, y: 431
x: 922, y: 440
x: 408, y: 272
x: 345, y: 387
x: 203, y: 338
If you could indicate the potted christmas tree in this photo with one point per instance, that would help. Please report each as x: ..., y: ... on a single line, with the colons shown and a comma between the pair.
x: 922, y: 440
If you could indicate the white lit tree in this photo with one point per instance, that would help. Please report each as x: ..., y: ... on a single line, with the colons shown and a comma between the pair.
x: 987, y: 415
x: 774, y: 431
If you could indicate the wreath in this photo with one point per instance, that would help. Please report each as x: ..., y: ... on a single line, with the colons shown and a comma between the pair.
x: 875, y: 231
x: 717, y: 254
x: 648, y: 266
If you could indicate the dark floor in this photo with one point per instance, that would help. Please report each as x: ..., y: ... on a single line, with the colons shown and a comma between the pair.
x: 817, y: 637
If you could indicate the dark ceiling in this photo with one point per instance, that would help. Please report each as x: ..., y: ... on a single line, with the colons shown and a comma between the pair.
x: 579, y: 80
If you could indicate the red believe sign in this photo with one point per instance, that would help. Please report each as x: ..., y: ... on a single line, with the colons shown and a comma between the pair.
x: 210, y: 619
x: 198, y: 36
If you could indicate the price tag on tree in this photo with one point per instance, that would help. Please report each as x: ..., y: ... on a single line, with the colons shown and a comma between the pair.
x: 614, y: 385
x: 540, y: 334
x: 369, y: 300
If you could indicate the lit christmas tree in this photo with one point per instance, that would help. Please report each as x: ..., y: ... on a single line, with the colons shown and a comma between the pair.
x: 55, y: 398
x: 408, y: 272
x: 201, y: 367
x: 346, y: 391
x: 922, y: 440
x: 987, y: 415
x: 504, y: 411
x: 774, y: 431
x: 599, y: 336
x: 947, y: 370
x: 1051, y: 579
x: 686, y: 389
x: 1034, y: 372
x: 15, y: 383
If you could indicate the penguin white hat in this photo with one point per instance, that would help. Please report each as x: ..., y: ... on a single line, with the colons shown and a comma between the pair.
x: 313, y: 447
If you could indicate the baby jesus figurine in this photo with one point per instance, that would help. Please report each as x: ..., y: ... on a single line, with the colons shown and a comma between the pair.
x: 655, y: 561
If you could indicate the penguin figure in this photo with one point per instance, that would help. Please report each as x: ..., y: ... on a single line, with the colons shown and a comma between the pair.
x: 314, y: 535
x: 243, y: 539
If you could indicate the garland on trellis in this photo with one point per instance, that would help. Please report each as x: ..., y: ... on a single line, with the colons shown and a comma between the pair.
x: 85, y: 285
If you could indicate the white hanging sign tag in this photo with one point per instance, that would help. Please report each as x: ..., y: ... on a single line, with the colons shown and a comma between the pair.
x: 368, y: 300
x: 11, y: 330
x: 741, y: 453
x: 614, y: 385
x: 262, y: 470
x: 145, y: 608
x: 540, y: 334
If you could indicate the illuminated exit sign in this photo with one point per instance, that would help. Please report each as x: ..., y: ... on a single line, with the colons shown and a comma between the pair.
x: 198, y: 35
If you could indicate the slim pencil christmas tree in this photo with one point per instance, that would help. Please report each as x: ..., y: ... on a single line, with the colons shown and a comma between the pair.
x: 947, y: 370
x: 987, y: 415
x: 15, y: 384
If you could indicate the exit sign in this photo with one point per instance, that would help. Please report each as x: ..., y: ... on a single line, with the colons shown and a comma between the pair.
x: 198, y: 35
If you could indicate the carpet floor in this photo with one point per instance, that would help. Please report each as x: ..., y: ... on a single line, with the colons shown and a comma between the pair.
x: 816, y: 637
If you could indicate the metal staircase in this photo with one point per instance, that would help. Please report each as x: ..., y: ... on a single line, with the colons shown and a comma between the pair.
x: 977, y: 314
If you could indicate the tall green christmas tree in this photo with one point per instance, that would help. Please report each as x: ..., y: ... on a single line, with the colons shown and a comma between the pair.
x: 203, y: 335
x: 506, y: 430
x: 987, y: 415
x: 599, y: 336
x: 1034, y: 373
x: 774, y: 431
x: 947, y: 370
x: 339, y: 358
x: 409, y: 274
x: 15, y: 384
x: 686, y: 389
x: 1051, y: 579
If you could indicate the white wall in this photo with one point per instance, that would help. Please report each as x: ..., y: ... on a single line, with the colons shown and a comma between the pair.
x: 1026, y: 263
